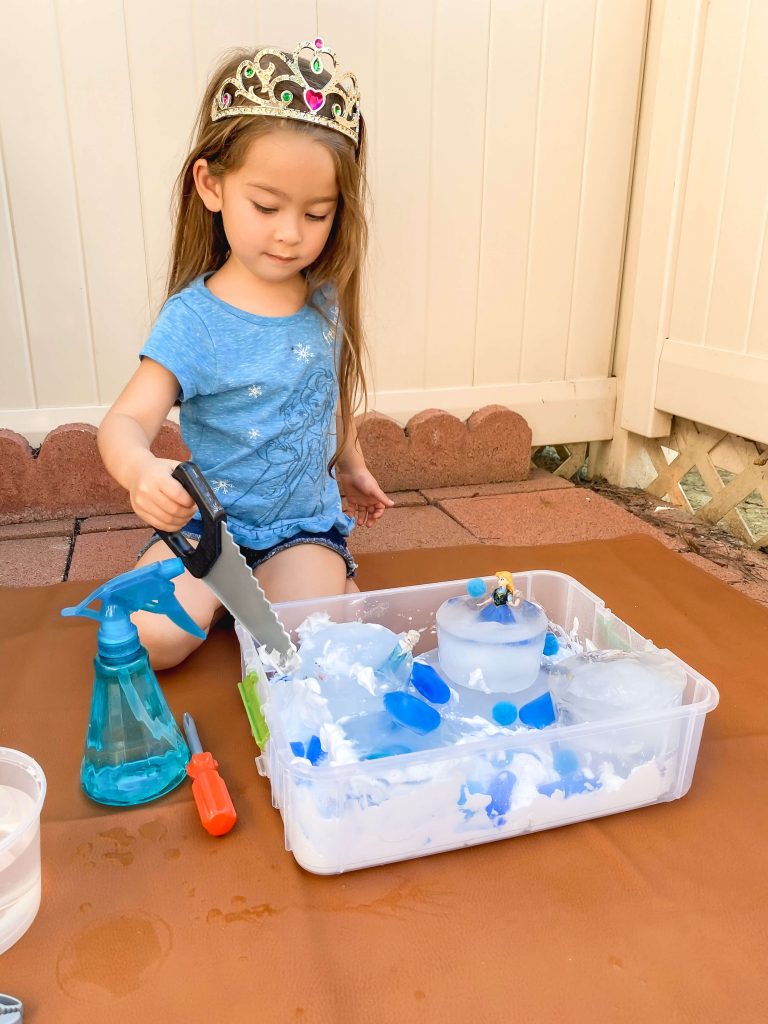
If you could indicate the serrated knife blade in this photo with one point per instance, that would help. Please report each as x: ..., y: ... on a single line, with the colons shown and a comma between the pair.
x: 218, y: 562
x: 233, y: 582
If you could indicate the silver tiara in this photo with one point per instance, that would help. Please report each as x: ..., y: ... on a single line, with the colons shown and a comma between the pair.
x: 270, y: 81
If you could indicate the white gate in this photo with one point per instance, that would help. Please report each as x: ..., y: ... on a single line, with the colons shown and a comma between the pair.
x: 696, y: 277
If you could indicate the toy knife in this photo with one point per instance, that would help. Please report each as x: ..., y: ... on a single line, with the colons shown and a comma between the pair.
x: 218, y: 561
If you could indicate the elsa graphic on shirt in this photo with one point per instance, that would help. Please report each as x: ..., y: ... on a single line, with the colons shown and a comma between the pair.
x: 289, y: 463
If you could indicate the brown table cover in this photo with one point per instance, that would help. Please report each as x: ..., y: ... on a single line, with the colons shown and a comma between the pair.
x: 656, y: 915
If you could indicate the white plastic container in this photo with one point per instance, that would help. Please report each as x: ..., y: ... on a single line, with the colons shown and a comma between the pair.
x: 22, y: 792
x: 345, y: 817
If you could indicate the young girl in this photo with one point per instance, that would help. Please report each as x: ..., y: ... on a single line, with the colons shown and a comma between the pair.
x: 260, y: 338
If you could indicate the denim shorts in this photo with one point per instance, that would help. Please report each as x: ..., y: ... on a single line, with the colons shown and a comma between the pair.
x: 333, y: 539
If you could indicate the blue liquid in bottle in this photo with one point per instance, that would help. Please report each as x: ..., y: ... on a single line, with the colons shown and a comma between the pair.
x: 134, y: 751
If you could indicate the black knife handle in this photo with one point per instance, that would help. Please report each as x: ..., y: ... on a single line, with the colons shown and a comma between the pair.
x: 198, y: 560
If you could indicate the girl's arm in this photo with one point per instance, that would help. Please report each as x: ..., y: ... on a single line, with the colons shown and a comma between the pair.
x: 363, y: 496
x: 124, y: 440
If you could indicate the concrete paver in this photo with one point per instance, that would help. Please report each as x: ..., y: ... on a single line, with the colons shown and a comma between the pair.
x: 47, y: 528
x: 405, y: 498
x: 401, y: 528
x: 118, y: 521
x: 540, y: 510
x: 98, y: 556
x: 546, y: 517
x: 33, y: 561
x: 539, y: 480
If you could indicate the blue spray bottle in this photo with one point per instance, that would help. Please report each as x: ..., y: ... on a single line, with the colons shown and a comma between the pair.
x: 134, y: 750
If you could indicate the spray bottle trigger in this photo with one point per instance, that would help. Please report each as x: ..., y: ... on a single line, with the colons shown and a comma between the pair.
x: 169, y: 605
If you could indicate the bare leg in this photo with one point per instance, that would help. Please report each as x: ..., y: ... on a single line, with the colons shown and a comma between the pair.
x: 166, y: 643
x: 304, y: 571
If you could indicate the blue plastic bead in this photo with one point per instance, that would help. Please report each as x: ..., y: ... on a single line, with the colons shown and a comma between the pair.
x: 298, y: 749
x: 476, y: 587
x: 497, y: 613
x: 504, y: 713
x: 314, y: 750
x: 411, y: 712
x: 551, y: 646
x: 538, y: 713
x: 565, y: 762
x: 429, y: 684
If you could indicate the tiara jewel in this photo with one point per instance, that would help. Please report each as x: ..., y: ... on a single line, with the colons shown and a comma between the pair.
x: 298, y: 85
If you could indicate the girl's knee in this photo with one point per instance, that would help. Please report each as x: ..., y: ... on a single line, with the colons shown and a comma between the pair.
x: 166, y: 645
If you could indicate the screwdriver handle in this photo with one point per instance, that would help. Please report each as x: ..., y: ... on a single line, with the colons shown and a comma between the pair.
x: 212, y: 798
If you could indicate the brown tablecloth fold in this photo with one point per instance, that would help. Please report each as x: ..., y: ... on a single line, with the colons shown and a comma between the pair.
x: 657, y: 915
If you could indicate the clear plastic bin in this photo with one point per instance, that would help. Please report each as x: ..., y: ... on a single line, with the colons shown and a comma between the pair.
x: 346, y: 817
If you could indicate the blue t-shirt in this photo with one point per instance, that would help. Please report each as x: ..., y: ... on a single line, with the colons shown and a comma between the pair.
x: 258, y: 405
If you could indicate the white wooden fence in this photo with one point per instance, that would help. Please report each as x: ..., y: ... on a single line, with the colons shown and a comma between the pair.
x: 503, y: 136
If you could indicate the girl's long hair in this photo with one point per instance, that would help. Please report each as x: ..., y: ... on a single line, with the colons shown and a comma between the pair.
x: 200, y: 245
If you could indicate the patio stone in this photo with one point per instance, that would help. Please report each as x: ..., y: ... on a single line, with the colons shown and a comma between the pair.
x: 33, y: 561
x: 103, y: 524
x: 756, y: 590
x: 539, y: 480
x: 415, y: 527
x: 48, y: 528
x: 547, y: 517
x: 99, y: 556
x: 403, y: 499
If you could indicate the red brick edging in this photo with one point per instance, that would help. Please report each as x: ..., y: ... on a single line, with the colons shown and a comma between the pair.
x: 435, y: 449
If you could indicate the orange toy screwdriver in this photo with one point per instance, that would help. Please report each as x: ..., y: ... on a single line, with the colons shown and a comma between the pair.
x: 208, y: 788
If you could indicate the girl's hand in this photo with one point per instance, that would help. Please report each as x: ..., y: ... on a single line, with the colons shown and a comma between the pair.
x: 157, y: 498
x: 363, y: 498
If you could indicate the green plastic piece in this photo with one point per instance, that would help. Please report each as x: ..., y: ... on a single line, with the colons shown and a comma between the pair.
x: 609, y: 635
x: 252, y: 705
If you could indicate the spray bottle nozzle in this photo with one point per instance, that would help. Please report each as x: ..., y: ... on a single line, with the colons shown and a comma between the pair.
x: 148, y: 588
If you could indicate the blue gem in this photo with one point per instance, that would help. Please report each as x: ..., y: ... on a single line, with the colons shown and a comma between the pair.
x: 314, y: 750
x: 538, y: 713
x: 411, y: 712
x: 551, y: 646
x: 429, y: 684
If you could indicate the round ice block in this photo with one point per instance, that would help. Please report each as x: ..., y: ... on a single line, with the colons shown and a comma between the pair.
x: 22, y: 792
x: 503, y: 642
x: 608, y: 684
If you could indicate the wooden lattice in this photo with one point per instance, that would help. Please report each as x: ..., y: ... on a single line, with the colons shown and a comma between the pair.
x: 708, y: 449
x: 572, y: 457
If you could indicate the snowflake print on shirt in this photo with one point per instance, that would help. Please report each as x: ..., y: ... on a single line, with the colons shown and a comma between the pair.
x: 253, y: 434
x: 255, y: 390
x: 303, y: 352
x: 221, y: 486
